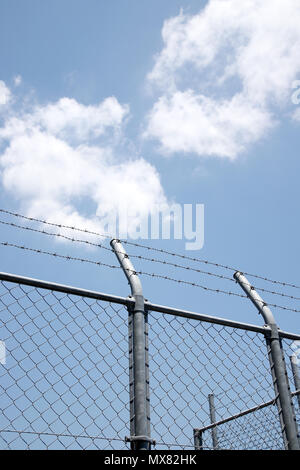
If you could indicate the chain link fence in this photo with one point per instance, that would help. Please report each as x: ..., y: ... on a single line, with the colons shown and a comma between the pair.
x: 256, y: 428
x: 192, y: 359
x: 64, y: 382
x: 260, y: 429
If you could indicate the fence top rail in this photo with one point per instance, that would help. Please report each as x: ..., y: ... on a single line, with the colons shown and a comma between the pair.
x: 218, y: 320
x: 206, y: 318
x: 148, y: 305
x: 63, y: 288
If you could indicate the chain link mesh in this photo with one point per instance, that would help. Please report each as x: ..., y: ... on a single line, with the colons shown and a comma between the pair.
x: 65, y: 381
x: 259, y: 429
x: 190, y: 360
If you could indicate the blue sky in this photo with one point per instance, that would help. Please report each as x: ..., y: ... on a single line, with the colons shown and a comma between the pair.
x: 192, y: 117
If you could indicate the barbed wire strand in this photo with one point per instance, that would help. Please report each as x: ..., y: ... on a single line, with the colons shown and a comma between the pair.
x: 140, y: 245
x: 142, y: 273
x: 93, y: 438
x: 45, y: 433
x: 131, y: 255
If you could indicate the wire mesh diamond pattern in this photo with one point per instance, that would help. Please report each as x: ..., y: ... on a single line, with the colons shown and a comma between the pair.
x: 65, y: 380
x: 191, y: 359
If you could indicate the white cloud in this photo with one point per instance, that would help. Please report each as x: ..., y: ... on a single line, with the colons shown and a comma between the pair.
x: 5, y: 94
x: 186, y: 122
x: 67, y: 117
x: 233, y: 62
x: 60, y: 159
x: 70, y: 120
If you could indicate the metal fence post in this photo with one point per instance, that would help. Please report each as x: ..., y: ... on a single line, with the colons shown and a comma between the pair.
x: 138, y: 357
x: 279, y: 374
x: 296, y: 376
x: 212, y: 412
x: 198, y: 440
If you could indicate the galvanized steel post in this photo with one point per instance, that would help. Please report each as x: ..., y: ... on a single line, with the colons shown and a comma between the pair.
x: 138, y: 357
x: 198, y: 440
x: 212, y: 412
x: 279, y: 374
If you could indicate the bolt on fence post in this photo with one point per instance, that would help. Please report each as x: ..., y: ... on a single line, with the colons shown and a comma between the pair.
x: 296, y: 376
x: 279, y: 374
x: 212, y: 412
x: 138, y: 357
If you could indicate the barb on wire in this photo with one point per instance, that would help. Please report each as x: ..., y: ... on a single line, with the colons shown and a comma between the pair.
x: 140, y: 245
x: 140, y: 257
x: 143, y: 273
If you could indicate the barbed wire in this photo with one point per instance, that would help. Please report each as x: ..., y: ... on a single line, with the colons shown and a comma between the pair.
x: 58, y: 255
x: 54, y: 234
x: 75, y: 436
x: 44, y: 433
x: 140, y: 245
x: 93, y: 438
x: 143, y: 273
x: 211, y: 263
x: 131, y: 255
